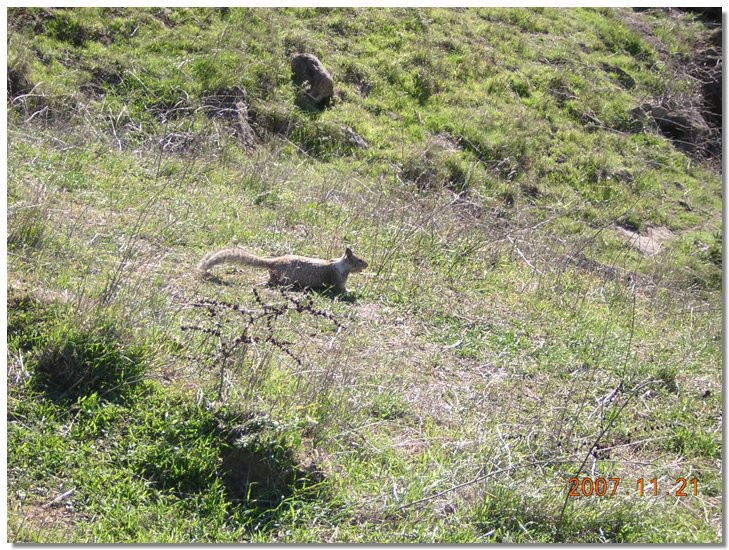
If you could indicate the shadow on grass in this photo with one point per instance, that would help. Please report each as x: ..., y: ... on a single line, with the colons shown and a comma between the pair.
x: 195, y: 450
x: 259, y: 467
x: 330, y: 293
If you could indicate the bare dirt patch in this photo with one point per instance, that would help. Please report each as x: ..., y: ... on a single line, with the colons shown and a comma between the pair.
x: 648, y: 244
x: 30, y: 519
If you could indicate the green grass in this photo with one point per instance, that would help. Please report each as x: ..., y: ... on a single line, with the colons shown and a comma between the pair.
x: 504, y: 339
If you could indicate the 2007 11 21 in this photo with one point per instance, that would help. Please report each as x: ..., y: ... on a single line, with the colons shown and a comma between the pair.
x: 585, y: 487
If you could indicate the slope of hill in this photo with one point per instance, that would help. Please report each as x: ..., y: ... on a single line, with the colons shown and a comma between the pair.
x: 533, y: 354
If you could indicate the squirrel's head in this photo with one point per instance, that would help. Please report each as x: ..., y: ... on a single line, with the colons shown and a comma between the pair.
x: 355, y: 262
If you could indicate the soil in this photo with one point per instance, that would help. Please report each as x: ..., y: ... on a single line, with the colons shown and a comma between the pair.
x: 650, y: 243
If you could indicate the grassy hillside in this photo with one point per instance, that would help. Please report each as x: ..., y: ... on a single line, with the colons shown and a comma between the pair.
x: 543, y: 297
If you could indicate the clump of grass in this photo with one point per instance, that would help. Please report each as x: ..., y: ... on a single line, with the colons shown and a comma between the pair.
x: 436, y: 165
x: 667, y: 377
x: 19, y: 72
x: 700, y: 258
x: 424, y: 168
x: 79, y: 360
x: 425, y: 85
x: 260, y: 465
x: 71, y: 356
x: 173, y: 464
x: 28, y: 221
x: 322, y: 139
x: 69, y: 29
x: 29, y: 319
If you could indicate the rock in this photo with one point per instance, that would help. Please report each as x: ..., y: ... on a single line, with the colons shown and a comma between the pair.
x: 650, y: 243
x: 685, y: 127
x: 355, y: 139
x: 314, y: 84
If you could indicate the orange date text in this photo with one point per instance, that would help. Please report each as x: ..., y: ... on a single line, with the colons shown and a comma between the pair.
x: 601, y: 487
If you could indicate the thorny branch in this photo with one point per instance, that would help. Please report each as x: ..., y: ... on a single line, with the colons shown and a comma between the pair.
x: 234, y: 325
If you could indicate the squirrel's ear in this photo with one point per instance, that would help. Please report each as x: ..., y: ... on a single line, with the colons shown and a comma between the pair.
x: 348, y: 252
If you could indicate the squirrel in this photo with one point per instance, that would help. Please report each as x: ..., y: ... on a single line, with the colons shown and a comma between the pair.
x: 293, y: 270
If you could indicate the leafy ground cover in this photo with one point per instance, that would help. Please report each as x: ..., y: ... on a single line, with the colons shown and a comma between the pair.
x: 543, y: 300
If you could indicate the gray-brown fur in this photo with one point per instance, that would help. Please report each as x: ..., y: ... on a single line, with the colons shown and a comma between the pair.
x: 293, y: 270
x: 314, y: 84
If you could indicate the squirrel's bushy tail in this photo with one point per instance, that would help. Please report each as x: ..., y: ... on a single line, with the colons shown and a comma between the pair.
x: 237, y: 255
